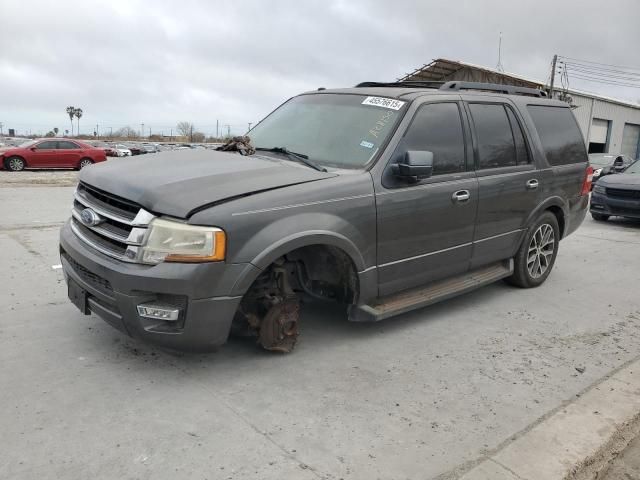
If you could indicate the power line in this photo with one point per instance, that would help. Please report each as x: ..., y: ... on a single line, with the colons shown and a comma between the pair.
x: 604, y: 73
x: 608, y: 82
x: 597, y: 63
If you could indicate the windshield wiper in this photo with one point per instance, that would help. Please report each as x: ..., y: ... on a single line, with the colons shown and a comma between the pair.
x: 301, y: 157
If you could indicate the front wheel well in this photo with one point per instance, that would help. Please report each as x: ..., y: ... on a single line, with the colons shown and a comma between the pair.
x: 321, y: 271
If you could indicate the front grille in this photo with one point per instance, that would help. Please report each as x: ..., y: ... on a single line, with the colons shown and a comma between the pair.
x: 623, y: 193
x: 96, y: 281
x: 122, y: 225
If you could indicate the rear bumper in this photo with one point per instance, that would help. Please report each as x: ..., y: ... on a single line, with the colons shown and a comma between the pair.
x: 115, y: 289
x: 577, y: 211
x: 605, y: 205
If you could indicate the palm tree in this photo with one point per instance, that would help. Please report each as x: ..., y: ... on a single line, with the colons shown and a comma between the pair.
x: 78, y: 113
x: 71, y: 111
x: 55, y: 130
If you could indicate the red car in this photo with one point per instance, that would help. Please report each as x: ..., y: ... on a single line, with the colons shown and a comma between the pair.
x: 50, y: 153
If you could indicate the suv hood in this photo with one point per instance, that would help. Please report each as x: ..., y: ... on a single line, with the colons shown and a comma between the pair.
x: 178, y: 183
x: 621, y: 180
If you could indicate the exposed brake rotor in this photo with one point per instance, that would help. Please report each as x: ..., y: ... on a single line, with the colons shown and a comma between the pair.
x: 279, y: 327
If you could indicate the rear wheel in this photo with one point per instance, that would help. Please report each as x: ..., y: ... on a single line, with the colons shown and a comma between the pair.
x: 599, y: 217
x: 15, y: 164
x: 85, y: 162
x: 537, y: 254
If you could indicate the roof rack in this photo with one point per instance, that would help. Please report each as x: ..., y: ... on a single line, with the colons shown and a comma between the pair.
x: 403, y: 84
x: 493, y: 87
x: 458, y: 85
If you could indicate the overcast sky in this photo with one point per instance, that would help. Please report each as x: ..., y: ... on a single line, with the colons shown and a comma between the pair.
x: 159, y: 62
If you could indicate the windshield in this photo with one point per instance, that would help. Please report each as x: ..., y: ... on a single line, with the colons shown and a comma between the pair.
x: 344, y: 131
x: 600, y: 159
x: 634, y: 168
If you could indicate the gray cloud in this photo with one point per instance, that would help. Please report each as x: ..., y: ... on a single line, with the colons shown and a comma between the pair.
x: 158, y: 62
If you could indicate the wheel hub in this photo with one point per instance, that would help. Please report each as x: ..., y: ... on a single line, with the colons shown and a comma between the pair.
x: 541, y: 249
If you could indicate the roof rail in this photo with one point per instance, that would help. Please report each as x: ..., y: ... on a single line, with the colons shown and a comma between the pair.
x: 404, y: 84
x: 493, y: 87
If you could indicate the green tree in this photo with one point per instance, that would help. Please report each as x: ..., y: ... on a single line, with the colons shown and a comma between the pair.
x: 78, y: 114
x: 56, y: 130
x: 71, y: 111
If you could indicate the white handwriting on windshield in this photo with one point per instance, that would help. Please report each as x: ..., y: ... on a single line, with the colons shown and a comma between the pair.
x: 381, y: 123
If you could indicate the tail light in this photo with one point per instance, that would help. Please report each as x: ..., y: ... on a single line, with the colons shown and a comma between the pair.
x: 588, y: 178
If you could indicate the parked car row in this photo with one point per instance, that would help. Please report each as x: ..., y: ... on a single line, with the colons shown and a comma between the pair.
x: 617, y: 192
x: 50, y: 153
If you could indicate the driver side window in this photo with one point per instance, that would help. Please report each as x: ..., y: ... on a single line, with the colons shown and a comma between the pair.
x: 437, y: 127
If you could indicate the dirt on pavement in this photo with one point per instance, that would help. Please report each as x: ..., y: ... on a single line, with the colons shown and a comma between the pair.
x: 31, y: 178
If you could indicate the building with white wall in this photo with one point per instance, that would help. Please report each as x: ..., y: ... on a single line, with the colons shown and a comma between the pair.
x: 608, y: 125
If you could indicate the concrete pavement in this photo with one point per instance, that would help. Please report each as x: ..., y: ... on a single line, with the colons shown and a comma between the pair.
x: 432, y: 394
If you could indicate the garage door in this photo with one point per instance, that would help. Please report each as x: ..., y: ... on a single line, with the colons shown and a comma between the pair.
x: 599, y: 131
x: 631, y: 140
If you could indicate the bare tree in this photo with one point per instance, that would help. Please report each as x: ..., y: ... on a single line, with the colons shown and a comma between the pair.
x: 185, y: 128
x: 78, y: 114
x: 198, y: 137
x: 125, y: 132
x: 71, y: 111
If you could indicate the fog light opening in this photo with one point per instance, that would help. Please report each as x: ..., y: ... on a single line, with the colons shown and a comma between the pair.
x: 159, y: 312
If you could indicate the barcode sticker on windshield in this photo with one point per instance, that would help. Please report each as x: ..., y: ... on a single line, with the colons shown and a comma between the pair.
x: 383, y: 102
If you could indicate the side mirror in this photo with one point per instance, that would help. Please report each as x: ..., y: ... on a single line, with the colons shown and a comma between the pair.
x: 33, y: 149
x: 416, y: 165
x: 618, y: 165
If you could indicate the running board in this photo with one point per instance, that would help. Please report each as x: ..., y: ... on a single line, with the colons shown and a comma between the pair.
x: 435, y: 292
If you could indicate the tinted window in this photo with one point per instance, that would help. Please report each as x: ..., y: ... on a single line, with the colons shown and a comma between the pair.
x: 522, y: 154
x: 561, y: 139
x: 67, y: 145
x: 496, y: 147
x: 46, y: 145
x: 437, y: 128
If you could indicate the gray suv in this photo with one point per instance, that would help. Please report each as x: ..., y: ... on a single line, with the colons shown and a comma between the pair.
x: 384, y: 197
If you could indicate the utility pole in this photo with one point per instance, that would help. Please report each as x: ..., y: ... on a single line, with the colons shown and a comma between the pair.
x: 553, y: 75
x: 97, y: 130
x: 1, y: 125
x: 250, y: 123
x: 217, y: 130
x: 142, y: 130
x: 149, y: 132
x: 191, y: 134
x: 229, y: 131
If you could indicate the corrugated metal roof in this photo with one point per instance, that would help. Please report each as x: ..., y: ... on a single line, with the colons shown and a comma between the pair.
x: 441, y: 68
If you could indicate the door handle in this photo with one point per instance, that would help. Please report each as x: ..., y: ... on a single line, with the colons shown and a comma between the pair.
x: 532, y: 184
x: 461, y: 196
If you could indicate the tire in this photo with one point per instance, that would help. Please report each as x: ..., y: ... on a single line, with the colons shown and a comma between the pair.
x: 537, y: 254
x: 599, y: 217
x: 15, y: 164
x: 85, y: 162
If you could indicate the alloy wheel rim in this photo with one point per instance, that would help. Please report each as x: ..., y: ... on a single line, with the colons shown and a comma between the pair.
x: 541, y: 249
x: 84, y: 163
x: 15, y: 164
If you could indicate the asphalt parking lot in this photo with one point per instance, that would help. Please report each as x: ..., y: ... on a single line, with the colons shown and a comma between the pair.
x: 426, y: 395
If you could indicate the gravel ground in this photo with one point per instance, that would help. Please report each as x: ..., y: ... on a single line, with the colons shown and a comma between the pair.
x: 31, y: 178
x: 626, y: 466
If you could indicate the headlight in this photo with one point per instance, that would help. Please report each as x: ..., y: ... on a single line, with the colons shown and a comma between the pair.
x: 597, y: 172
x: 169, y: 241
x: 599, y: 189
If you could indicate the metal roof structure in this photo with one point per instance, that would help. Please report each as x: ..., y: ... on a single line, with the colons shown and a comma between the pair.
x: 442, y: 70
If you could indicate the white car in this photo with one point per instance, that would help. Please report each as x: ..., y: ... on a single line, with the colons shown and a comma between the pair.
x: 122, y: 150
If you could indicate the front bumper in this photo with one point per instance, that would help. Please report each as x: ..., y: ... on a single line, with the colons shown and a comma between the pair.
x: 622, y: 207
x: 114, y: 290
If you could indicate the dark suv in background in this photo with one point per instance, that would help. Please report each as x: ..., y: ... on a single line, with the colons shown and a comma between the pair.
x: 385, y: 197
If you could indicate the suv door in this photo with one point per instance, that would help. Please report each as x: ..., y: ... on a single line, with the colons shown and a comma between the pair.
x: 425, y: 229
x: 509, y: 184
x: 43, y: 154
x: 69, y: 153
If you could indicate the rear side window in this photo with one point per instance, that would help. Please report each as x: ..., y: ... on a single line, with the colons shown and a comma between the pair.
x: 496, y: 147
x: 437, y: 128
x: 559, y: 133
x: 65, y: 145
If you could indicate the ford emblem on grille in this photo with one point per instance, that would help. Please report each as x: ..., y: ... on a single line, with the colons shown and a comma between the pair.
x: 90, y: 218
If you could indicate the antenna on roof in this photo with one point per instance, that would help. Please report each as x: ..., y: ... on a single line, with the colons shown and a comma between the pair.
x: 499, y: 66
